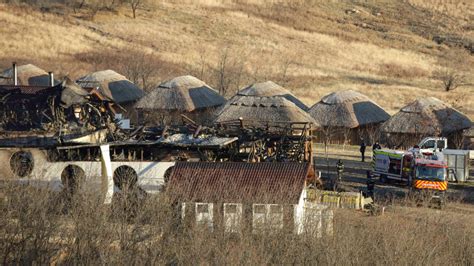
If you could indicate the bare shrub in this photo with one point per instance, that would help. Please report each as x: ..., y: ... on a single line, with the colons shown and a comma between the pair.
x: 453, y: 66
x: 450, y: 78
x: 33, y: 232
x: 228, y: 70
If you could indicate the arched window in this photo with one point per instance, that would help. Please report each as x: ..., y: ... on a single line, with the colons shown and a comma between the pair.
x: 125, y: 177
x: 167, y: 174
x: 72, y: 177
x: 21, y: 163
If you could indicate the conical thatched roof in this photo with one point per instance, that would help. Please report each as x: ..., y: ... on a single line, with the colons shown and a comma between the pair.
x: 183, y: 94
x: 347, y: 109
x: 270, y: 88
x: 113, y: 85
x: 256, y: 107
x: 428, y: 116
x: 27, y: 75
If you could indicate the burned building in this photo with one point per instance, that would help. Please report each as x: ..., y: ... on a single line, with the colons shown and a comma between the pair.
x: 118, y: 89
x: 49, y: 115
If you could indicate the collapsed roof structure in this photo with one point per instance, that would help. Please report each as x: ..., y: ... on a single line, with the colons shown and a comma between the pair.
x: 45, y: 115
x: 116, y: 88
x: 181, y: 95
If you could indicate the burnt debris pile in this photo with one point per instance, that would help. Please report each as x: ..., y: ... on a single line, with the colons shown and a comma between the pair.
x: 61, y: 110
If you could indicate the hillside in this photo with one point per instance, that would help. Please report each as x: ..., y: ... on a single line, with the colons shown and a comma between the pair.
x: 393, y: 51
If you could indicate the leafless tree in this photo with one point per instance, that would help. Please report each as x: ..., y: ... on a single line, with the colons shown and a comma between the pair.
x: 139, y: 66
x: 346, y: 132
x: 373, y: 132
x: 454, y: 64
x: 134, y: 5
x: 451, y: 79
x: 229, y: 70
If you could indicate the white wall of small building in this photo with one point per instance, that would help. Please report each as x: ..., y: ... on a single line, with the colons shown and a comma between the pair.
x: 48, y: 174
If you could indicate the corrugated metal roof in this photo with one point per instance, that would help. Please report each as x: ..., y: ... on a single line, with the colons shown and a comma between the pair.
x: 279, y: 183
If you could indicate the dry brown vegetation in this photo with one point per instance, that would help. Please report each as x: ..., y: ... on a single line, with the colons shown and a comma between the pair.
x: 381, y: 48
x: 37, y: 228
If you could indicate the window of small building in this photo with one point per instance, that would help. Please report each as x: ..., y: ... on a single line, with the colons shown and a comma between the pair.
x: 202, y: 208
x: 230, y: 208
x: 232, y: 217
x: 259, y: 208
x: 259, y: 217
x: 275, y: 216
x: 276, y: 209
x: 204, y: 215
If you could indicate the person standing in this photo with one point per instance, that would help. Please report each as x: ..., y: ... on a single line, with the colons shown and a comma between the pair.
x: 336, y: 180
x: 340, y: 169
x: 370, y: 185
x: 376, y: 146
x: 362, y: 149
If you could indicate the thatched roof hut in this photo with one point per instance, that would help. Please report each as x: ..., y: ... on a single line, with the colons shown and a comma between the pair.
x: 27, y: 75
x: 347, y: 109
x: 269, y: 88
x: 182, y: 94
x: 113, y: 85
x: 427, y: 116
x: 255, y: 104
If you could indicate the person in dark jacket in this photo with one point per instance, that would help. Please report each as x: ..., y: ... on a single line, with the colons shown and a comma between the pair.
x: 362, y: 149
x: 340, y: 169
x: 376, y: 146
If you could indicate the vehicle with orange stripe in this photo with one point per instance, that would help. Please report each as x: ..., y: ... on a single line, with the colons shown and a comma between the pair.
x: 410, y: 168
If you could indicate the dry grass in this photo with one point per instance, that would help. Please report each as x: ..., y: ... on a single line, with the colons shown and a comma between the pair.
x: 35, y: 231
x: 312, y: 47
x: 456, y: 8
